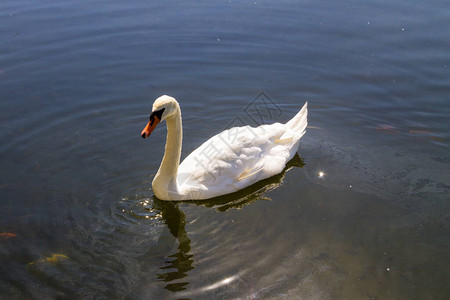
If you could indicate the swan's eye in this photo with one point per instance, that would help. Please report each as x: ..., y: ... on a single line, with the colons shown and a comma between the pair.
x: 157, y: 114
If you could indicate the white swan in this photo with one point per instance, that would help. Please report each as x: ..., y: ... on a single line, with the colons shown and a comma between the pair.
x: 229, y: 161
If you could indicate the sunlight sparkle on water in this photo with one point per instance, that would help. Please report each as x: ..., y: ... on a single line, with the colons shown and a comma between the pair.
x: 321, y: 174
x: 221, y: 283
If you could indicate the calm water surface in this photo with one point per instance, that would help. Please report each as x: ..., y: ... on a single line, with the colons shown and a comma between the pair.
x: 78, y: 216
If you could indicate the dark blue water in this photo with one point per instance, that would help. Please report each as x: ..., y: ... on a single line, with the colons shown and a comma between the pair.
x: 78, y: 217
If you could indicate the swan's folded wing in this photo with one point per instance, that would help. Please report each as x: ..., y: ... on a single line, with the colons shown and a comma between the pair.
x: 230, y: 160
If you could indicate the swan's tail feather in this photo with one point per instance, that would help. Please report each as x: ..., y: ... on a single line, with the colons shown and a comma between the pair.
x: 296, y: 127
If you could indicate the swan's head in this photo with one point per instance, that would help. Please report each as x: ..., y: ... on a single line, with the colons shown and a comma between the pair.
x: 163, y: 107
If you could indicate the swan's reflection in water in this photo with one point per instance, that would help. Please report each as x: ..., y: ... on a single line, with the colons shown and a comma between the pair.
x: 182, y: 262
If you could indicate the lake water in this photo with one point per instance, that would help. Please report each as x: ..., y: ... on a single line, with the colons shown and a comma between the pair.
x: 362, y: 214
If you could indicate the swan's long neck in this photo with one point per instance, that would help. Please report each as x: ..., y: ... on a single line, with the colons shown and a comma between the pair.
x: 165, y: 180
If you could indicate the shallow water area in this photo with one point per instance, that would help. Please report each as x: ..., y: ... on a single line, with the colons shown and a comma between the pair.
x: 362, y: 213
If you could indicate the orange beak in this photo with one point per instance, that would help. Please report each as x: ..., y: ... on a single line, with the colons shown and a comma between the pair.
x: 150, y: 127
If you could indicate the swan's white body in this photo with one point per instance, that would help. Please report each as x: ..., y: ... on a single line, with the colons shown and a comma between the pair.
x: 229, y: 161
